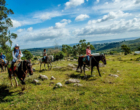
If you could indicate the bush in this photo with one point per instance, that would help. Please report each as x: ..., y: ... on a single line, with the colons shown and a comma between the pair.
x: 75, y: 57
x: 138, y: 59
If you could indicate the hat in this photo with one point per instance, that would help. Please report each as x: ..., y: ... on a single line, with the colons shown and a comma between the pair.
x: 16, y: 45
x: 88, y: 45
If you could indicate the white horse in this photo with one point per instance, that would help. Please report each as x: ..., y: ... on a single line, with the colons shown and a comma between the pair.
x: 49, y: 60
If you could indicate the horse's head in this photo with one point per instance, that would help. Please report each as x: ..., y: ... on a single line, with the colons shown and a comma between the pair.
x: 28, y: 64
x: 103, y: 59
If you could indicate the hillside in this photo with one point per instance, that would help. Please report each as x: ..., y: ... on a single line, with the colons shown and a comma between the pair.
x: 100, y: 93
x: 102, y: 47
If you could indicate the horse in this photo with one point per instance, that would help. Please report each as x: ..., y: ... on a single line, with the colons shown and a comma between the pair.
x: 94, y: 62
x: 47, y: 61
x: 3, y: 64
x: 24, y: 68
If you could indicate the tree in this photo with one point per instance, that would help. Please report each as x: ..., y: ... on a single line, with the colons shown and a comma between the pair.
x: 126, y: 49
x: 27, y: 55
x: 5, y: 23
x: 81, y: 47
x: 67, y: 49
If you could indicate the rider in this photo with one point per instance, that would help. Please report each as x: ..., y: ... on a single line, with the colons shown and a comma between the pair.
x: 17, y: 54
x: 44, y: 54
x: 3, y: 57
x: 88, y: 53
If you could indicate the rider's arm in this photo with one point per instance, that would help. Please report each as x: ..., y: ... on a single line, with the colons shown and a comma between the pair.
x: 21, y: 55
x: 14, y: 56
x: 4, y: 57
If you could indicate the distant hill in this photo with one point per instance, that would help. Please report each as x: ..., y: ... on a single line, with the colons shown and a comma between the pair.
x: 100, y: 46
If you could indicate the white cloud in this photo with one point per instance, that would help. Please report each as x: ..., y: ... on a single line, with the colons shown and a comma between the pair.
x: 87, y: 0
x: 124, y: 5
x: 106, y: 3
x: 47, y: 15
x: 116, y: 27
x: 16, y: 23
x: 137, y: 1
x: 81, y: 17
x: 20, y: 30
x: 97, y: 1
x: 73, y: 3
x: 110, y: 16
x: 59, y: 5
x: 30, y: 29
x: 62, y: 24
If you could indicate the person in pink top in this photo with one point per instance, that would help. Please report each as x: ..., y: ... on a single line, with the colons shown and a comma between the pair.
x: 88, y: 53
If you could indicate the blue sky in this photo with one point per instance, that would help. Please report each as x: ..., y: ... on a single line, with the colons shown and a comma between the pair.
x: 46, y: 22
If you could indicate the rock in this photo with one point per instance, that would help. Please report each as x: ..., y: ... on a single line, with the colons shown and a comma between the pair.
x: 72, y: 81
x: 78, y: 85
x: 70, y: 65
x: 101, y: 65
x: 74, y: 69
x: 43, y: 77
x: 118, y: 71
x: 75, y: 65
x: 53, y: 78
x: 57, y: 67
x: 113, y: 75
x: 86, y: 69
x: 36, y: 81
x: 58, y: 85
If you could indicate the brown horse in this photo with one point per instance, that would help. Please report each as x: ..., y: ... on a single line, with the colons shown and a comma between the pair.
x: 94, y: 62
x: 3, y: 65
x: 24, y: 68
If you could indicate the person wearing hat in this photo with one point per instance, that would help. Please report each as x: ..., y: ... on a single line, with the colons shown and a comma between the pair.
x: 16, y: 54
x: 88, y: 53
x: 3, y: 57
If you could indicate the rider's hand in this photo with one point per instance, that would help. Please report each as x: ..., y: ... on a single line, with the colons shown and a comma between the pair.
x: 19, y: 56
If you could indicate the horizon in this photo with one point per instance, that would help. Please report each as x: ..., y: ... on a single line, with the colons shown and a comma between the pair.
x: 44, y: 23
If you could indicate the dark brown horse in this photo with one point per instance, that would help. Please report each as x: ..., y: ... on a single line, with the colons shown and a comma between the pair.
x: 3, y: 65
x: 24, y: 68
x: 94, y: 62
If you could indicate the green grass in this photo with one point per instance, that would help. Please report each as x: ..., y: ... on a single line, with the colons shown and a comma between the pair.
x: 99, y: 93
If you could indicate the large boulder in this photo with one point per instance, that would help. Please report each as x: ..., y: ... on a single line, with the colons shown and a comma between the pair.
x: 113, y: 75
x: 53, y: 78
x: 78, y: 85
x: 72, y: 81
x: 43, y: 77
x: 58, y: 85
x: 70, y: 65
x: 36, y: 81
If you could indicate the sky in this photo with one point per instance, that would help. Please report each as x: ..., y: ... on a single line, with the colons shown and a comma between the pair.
x: 43, y: 23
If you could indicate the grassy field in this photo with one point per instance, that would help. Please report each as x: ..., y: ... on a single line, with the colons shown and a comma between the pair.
x: 106, y: 92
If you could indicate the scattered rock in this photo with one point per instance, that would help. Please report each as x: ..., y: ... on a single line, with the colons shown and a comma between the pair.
x: 58, y: 85
x: 118, y: 71
x: 57, y: 67
x: 43, y: 77
x: 70, y: 65
x: 72, y: 81
x: 36, y: 81
x: 53, y: 78
x: 113, y: 75
x: 86, y: 69
x: 101, y: 65
x: 75, y: 65
x: 78, y: 85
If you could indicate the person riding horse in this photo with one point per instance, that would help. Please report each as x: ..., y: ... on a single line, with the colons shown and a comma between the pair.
x: 3, y: 57
x: 17, y: 54
x: 88, y: 53
x: 44, y: 55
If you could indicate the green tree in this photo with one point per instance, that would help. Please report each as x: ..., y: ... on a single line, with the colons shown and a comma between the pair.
x: 81, y: 47
x: 67, y: 49
x: 5, y: 23
x: 27, y: 55
x: 126, y: 49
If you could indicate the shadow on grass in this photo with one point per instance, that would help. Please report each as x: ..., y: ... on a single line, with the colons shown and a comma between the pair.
x: 88, y: 77
x: 4, y: 91
x: 62, y: 69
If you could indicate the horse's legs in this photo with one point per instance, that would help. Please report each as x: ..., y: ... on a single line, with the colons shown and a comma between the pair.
x: 84, y: 70
x: 11, y: 82
x: 16, y: 81
x: 48, y: 66
x: 51, y: 66
x: 91, y: 69
x: 81, y: 68
x: 98, y: 70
